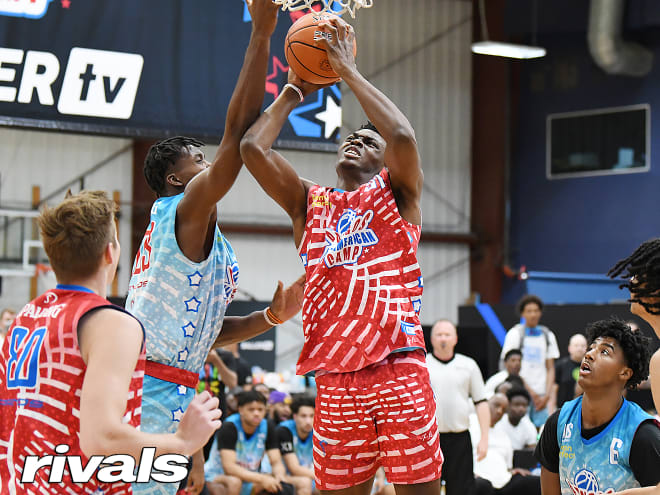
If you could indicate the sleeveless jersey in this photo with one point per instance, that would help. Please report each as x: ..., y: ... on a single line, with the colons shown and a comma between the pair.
x: 600, y: 464
x: 180, y: 302
x: 364, y: 286
x: 41, y: 377
x: 249, y: 451
x: 304, y: 449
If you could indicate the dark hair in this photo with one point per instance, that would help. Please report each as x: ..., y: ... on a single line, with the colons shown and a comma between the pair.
x: 512, y: 352
x: 529, y: 299
x: 518, y: 392
x: 163, y: 155
x: 302, y: 401
x: 641, y: 274
x: 370, y: 127
x: 635, y: 346
x: 250, y: 396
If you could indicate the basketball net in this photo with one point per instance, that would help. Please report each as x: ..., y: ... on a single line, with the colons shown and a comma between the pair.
x: 337, y: 7
x: 45, y: 278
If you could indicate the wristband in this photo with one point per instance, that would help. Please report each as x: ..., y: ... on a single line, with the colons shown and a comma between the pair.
x: 270, y: 317
x: 296, y: 89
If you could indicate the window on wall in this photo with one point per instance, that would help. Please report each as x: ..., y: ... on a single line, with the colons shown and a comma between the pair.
x: 598, y: 142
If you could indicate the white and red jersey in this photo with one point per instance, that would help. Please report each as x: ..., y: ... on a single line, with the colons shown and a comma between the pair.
x: 41, y: 377
x: 364, y: 285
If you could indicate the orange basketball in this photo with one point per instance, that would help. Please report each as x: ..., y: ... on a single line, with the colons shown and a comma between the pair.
x: 306, y: 59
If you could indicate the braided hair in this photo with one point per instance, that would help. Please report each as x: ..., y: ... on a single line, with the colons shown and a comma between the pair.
x: 635, y: 346
x: 162, y: 156
x: 641, y: 274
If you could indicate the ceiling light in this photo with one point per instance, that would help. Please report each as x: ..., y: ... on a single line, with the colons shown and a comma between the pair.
x: 510, y: 50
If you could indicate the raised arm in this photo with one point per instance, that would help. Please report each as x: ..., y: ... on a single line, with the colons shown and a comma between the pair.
x: 209, y: 186
x: 401, y: 155
x: 273, y: 172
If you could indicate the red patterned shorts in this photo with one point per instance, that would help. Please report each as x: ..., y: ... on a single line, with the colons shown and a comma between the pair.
x: 381, y: 415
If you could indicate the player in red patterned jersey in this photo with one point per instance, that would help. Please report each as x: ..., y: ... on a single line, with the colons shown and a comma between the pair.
x: 72, y: 364
x: 362, y: 332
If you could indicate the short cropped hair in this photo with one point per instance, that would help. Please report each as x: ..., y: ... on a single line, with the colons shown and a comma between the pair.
x: 302, y: 401
x: 368, y: 125
x: 76, y: 232
x: 518, y: 392
x: 529, y: 299
x: 162, y: 156
x: 641, y: 272
x: 635, y: 346
x: 512, y: 352
x: 250, y: 396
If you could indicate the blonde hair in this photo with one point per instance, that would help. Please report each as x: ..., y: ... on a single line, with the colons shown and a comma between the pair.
x: 76, y: 232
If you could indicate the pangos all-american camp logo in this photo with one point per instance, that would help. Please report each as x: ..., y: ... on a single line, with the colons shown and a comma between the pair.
x: 353, y: 234
x: 586, y: 483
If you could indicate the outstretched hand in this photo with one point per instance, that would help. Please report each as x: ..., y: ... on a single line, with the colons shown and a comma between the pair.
x: 340, y: 45
x: 287, y: 302
x: 264, y: 15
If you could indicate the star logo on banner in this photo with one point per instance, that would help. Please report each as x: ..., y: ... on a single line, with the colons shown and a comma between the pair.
x: 331, y: 116
x: 177, y: 414
x: 272, y: 87
x: 181, y: 390
x: 66, y: 4
x: 183, y: 355
x: 195, y: 279
x: 192, y: 304
x: 188, y: 329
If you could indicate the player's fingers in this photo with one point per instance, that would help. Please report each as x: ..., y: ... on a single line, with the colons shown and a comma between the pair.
x: 330, y: 28
x: 214, y: 414
x: 350, y: 32
x: 301, y: 280
x: 202, y: 397
x: 212, y: 403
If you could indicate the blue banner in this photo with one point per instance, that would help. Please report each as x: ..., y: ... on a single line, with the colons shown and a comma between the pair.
x: 151, y: 68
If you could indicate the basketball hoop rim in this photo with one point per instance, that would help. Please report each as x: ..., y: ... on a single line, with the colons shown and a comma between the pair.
x: 337, y: 7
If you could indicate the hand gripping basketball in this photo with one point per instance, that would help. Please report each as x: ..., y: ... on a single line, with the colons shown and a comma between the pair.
x: 340, y: 46
x: 306, y: 44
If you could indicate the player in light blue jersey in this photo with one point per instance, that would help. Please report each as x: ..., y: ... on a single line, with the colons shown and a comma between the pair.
x: 185, y: 272
x: 600, y: 443
x: 295, y: 439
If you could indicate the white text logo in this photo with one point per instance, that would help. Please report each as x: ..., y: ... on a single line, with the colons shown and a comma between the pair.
x: 168, y: 468
x: 97, y: 83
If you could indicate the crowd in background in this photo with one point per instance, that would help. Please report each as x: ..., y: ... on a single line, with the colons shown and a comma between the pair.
x: 488, y: 428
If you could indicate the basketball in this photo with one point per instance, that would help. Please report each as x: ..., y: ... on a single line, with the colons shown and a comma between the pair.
x: 308, y: 60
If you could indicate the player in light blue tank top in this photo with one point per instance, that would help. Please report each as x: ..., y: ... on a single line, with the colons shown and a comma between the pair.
x: 600, y: 443
x: 185, y: 272
x: 249, y: 451
x: 602, y: 462
x: 304, y: 449
x: 182, y: 304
